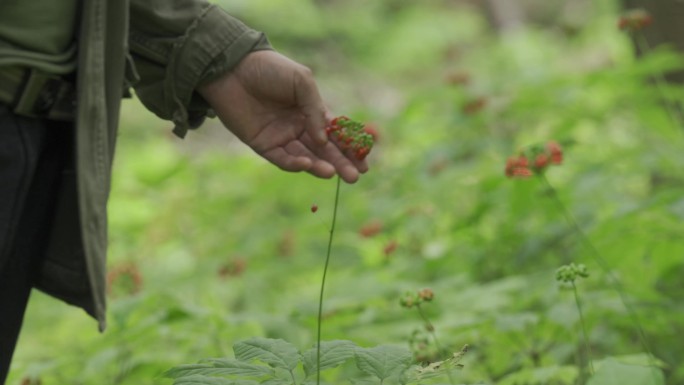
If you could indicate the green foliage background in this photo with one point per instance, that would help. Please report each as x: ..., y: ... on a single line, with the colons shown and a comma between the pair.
x: 226, y: 247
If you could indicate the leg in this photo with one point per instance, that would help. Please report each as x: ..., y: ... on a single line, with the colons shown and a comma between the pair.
x: 31, y: 159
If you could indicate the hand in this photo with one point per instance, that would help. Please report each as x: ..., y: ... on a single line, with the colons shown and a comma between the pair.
x: 272, y: 104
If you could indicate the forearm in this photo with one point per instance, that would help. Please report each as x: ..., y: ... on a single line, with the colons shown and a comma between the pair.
x: 178, y: 45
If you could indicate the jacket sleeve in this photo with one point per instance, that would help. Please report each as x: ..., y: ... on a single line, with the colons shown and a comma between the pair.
x: 176, y: 45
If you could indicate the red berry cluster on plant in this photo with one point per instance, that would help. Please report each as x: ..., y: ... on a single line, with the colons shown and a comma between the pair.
x: 474, y: 106
x: 634, y: 20
x: 370, y: 229
x: 534, y: 160
x: 351, y: 135
x: 134, y: 281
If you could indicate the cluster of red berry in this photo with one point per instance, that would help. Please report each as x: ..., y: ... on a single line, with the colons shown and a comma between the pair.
x: 351, y: 135
x: 130, y: 277
x: 634, y: 20
x: 535, y: 159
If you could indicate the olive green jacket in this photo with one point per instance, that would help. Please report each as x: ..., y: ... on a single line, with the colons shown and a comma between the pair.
x: 164, y: 49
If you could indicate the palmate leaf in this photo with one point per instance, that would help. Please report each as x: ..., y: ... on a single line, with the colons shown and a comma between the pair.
x: 612, y: 372
x: 383, y: 361
x: 198, y: 379
x: 220, y: 367
x: 333, y: 353
x: 275, y: 352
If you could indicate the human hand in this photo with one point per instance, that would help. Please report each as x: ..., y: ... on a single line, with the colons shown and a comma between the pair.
x: 272, y: 104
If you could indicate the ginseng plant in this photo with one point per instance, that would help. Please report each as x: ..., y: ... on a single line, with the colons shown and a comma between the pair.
x: 275, y: 361
x: 534, y: 161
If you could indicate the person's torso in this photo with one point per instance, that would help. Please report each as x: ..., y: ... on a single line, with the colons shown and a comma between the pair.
x: 39, y: 34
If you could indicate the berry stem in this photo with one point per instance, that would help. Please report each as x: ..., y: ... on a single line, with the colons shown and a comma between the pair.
x: 428, y: 324
x: 431, y: 329
x: 612, y: 278
x: 325, y: 272
x: 584, y: 328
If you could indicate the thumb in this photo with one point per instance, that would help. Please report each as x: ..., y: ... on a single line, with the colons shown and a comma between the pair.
x: 312, y: 106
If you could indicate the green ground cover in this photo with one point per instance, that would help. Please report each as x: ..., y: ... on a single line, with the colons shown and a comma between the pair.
x: 210, y: 245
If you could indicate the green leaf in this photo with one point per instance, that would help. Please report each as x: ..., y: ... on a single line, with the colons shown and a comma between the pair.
x: 612, y: 372
x: 277, y: 381
x: 232, y: 366
x: 198, y: 379
x: 220, y: 367
x: 275, y: 352
x: 333, y: 353
x: 383, y: 361
x: 566, y: 375
x: 638, y: 359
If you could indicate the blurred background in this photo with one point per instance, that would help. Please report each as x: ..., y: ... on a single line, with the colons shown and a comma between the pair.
x: 209, y: 244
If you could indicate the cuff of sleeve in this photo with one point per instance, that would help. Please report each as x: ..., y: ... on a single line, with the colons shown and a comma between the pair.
x: 214, y: 44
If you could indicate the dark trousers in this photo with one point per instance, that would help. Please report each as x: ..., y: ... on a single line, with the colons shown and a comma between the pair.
x: 33, y: 155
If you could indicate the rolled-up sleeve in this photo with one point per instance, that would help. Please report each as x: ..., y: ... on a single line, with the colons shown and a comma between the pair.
x: 175, y: 46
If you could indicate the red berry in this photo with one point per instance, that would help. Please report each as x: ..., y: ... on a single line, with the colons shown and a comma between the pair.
x: 556, y: 152
x: 314, y: 208
x: 372, y: 131
x: 370, y: 229
x: 337, y: 119
x: 426, y: 294
x: 623, y: 23
x: 458, y: 78
x: 390, y: 247
x: 522, y: 172
x: 635, y: 20
x: 361, y: 153
x: 474, y: 106
x: 511, y: 164
x: 541, y: 162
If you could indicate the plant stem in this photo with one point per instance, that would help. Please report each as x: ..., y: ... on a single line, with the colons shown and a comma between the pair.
x: 584, y: 328
x: 612, y: 278
x: 325, y: 272
x: 431, y: 329
x: 428, y: 324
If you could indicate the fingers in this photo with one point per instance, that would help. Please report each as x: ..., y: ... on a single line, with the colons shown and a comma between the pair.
x: 286, y: 161
x: 325, y: 165
x: 296, y: 156
x: 311, y: 104
x: 348, y: 169
x: 319, y: 167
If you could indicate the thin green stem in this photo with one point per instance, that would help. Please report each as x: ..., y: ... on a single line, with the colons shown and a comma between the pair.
x: 325, y: 273
x: 294, y: 381
x: 428, y: 324
x: 612, y: 278
x: 584, y: 328
x: 431, y: 329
